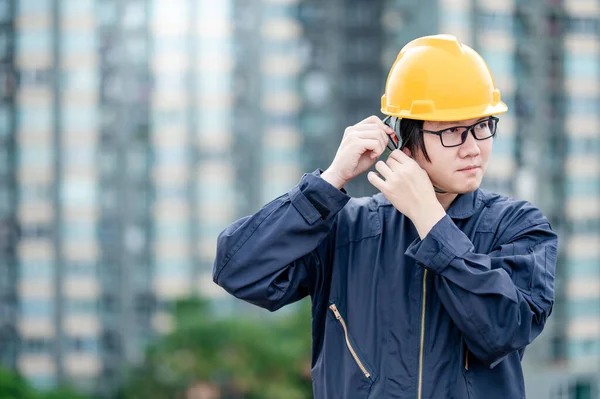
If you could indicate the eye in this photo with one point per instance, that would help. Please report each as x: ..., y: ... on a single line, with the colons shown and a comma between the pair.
x: 483, y: 125
x: 452, y: 130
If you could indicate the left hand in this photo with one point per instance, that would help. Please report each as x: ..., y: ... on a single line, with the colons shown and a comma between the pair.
x: 408, y: 187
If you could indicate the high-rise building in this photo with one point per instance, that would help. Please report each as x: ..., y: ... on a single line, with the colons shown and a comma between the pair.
x: 342, y: 76
x: 124, y: 264
x: 8, y: 199
x: 57, y: 116
x: 578, y: 106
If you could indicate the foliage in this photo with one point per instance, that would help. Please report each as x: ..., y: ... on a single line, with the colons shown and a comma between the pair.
x: 13, y: 386
x: 208, y: 357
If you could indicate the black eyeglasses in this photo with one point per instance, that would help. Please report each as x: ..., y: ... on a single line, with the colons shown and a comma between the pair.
x: 456, y: 135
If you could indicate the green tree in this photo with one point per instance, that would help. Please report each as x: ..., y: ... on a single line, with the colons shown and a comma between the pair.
x: 222, y: 358
x: 13, y: 386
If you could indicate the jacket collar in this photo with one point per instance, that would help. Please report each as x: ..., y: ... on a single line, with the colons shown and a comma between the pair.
x: 465, y: 205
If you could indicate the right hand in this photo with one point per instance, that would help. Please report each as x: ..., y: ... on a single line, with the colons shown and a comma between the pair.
x: 361, y: 145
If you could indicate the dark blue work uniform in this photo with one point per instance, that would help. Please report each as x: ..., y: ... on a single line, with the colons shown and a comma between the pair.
x: 395, y: 316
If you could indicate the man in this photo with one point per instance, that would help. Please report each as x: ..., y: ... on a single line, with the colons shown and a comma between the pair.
x: 432, y: 288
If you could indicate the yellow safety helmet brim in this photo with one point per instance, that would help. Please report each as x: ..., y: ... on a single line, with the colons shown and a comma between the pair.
x: 447, y: 115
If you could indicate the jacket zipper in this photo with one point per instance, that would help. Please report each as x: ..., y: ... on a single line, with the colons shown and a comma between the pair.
x: 420, y: 389
x: 338, y: 316
x: 467, y: 359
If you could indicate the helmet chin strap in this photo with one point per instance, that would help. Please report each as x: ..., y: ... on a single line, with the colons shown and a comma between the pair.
x: 439, y: 191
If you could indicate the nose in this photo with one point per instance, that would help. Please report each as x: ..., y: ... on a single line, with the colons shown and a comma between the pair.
x: 470, y: 148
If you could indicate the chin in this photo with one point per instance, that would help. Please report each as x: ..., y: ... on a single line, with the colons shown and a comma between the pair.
x: 466, y: 187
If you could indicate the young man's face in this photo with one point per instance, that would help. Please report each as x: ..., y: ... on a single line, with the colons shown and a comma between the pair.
x: 457, y: 169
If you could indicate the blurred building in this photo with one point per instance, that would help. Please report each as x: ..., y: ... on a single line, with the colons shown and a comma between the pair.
x: 57, y: 134
x: 124, y: 122
x: 8, y: 190
x: 581, y: 142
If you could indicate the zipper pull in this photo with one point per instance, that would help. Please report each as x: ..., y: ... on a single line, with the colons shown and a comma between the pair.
x: 467, y: 359
x: 335, y: 311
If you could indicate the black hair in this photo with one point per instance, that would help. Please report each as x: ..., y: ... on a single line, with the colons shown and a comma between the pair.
x: 411, y: 136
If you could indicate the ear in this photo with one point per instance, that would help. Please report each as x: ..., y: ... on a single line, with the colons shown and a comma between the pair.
x: 407, y: 152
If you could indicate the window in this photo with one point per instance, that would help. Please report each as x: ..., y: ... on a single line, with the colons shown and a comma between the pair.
x: 174, y: 268
x: 582, y: 105
x: 5, y: 43
x: 34, y: 117
x: 36, y: 308
x: 5, y: 120
x: 74, y: 8
x: 34, y: 231
x: 5, y: 10
x: 36, y: 269
x: 135, y: 15
x: 32, y: 41
x: 83, y: 344
x: 173, y: 117
x: 4, y: 161
x: 107, y: 12
x: 171, y: 230
x: 79, y: 118
x: 136, y: 48
x: 81, y: 306
x: 81, y: 268
x: 499, y: 62
x: 37, y: 345
x: 581, y: 65
x: 79, y: 156
x: 583, y: 25
x: 360, y: 14
x: 82, y: 42
x: 80, y: 80
x: 583, y: 145
x: 492, y: 20
x: 79, y: 231
x: 171, y: 12
x: 78, y: 192
x: 170, y: 82
x: 34, y: 156
x: 35, y: 193
x: 26, y: 7
x: 170, y: 156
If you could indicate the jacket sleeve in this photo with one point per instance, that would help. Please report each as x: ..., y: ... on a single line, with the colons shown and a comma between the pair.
x: 268, y: 258
x: 501, y: 300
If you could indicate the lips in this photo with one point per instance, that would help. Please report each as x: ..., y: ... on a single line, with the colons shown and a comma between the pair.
x: 468, y: 168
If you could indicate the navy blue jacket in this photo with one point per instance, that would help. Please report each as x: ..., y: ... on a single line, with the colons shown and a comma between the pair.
x: 395, y: 316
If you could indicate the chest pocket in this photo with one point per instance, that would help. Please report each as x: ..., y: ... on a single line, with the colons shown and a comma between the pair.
x: 358, y: 224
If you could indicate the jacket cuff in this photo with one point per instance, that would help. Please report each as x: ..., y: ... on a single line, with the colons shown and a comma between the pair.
x: 444, y: 242
x: 316, y: 199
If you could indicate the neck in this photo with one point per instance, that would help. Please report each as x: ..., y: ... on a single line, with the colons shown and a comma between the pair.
x: 446, y: 199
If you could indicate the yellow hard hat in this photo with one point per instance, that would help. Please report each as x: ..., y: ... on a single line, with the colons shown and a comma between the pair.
x: 437, y: 78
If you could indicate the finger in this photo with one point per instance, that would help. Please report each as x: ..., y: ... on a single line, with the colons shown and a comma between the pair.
x: 374, y: 126
x: 374, y: 119
x: 383, y: 169
x: 375, y: 134
x: 371, y: 145
x: 375, y: 180
x: 393, y: 164
x: 400, y: 157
